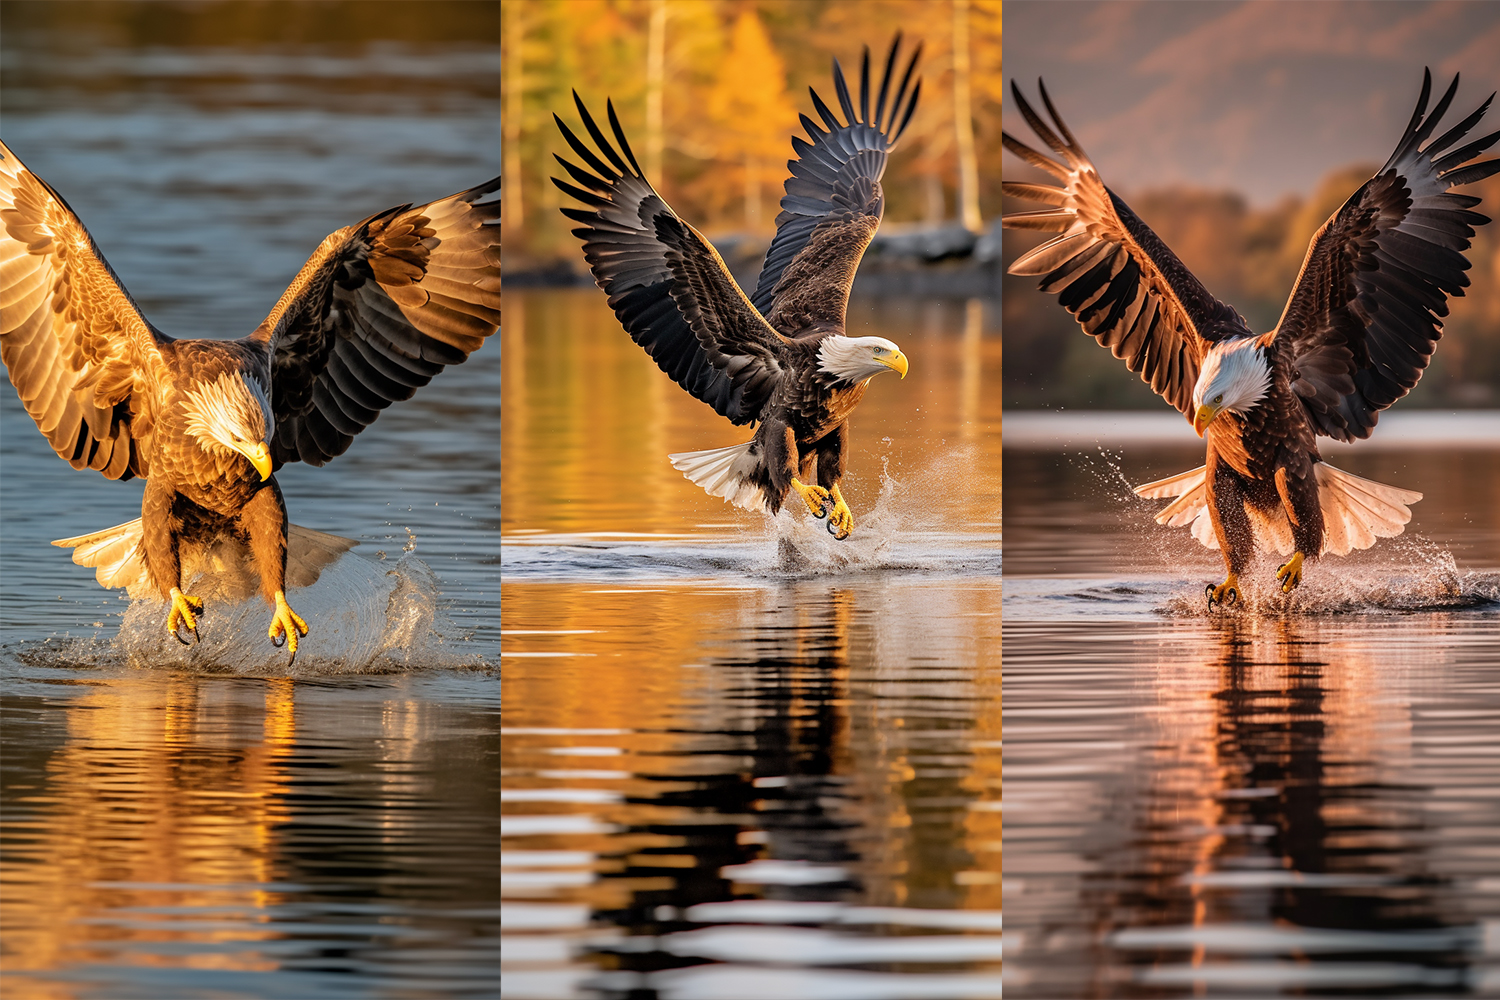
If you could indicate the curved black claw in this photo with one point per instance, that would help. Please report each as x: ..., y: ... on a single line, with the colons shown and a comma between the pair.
x: 279, y: 641
x: 180, y: 639
x: 1230, y: 596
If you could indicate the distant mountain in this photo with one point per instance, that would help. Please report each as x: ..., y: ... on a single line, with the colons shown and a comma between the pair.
x: 1260, y: 97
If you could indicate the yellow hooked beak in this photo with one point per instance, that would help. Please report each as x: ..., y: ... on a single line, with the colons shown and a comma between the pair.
x: 260, y: 457
x: 895, y: 362
x: 1204, y: 417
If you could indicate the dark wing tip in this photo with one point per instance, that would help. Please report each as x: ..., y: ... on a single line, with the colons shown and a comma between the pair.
x: 829, y: 118
x: 911, y: 67
x: 864, y: 86
x: 614, y: 125
x: 841, y: 88
x: 885, y: 84
x: 911, y: 109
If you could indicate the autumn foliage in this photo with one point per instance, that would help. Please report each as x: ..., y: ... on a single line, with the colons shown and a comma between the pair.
x: 733, y: 76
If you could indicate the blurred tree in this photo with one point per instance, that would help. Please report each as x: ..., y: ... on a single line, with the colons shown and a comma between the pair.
x: 656, y: 69
x: 751, y: 113
x: 728, y: 78
x: 515, y: 87
x: 963, y: 120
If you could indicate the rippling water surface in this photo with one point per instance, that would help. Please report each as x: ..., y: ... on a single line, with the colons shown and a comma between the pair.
x: 194, y: 822
x: 743, y: 760
x: 1297, y: 797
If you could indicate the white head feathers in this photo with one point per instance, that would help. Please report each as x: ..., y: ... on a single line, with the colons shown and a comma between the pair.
x: 229, y: 413
x: 1235, y: 376
x: 857, y: 358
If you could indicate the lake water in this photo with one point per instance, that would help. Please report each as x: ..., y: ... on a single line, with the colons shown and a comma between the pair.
x: 742, y: 759
x: 1291, y: 798
x: 204, y: 822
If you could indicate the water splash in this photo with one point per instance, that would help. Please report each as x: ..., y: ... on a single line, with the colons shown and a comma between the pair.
x: 363, y: 617
x: 1400, y: 575
x: 797, y: 546
x: 1411, y: 575
x: 927, y: 525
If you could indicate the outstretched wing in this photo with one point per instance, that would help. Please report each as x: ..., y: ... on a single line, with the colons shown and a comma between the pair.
x: 1116, y: 276
x: 83, y: 359
x: 666, y: 283
x: 833, y: 199
x: 375, y: 313
x: 1363, y: 319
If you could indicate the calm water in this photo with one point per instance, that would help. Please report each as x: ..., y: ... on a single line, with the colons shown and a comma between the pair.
x: 741, y: 759
x: 188, y: 823
x: 1298, y: 798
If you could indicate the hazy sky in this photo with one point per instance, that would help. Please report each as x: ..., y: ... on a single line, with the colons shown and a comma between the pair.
x: 1264, y: 96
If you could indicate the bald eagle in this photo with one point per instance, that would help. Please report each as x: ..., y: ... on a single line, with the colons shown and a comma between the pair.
x: 780, y: 357
x: 380, y: 308
x: 1358, y: 330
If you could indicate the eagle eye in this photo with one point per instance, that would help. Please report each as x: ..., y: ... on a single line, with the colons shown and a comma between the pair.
x: 1219, y: 398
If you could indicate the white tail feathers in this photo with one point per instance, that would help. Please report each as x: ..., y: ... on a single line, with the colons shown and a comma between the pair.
x: 1355, y: 511
x: 117, y: 558
x: 116, y: 554
x: 1190, y: 507
x: 724, y: 472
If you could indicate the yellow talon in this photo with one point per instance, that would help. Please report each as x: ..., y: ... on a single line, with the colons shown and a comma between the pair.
x: 819, y: 504
x: 185, y: 610
x: 840, y: 520
x: 286, y: 625
x: 1290, y: 573
x: 1225, y: 593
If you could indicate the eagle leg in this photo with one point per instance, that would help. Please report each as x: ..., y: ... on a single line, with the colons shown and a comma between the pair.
x: 1226, y: 498
x: 840, y: 520
x: 832, y: 452
x: 1289, y: 573
x: 1225, y: 593
x: 286, y: 625
x: 185, y: 610
x: 819, y: 501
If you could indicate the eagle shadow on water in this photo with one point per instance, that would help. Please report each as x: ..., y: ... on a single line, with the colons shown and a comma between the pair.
x: 778, y: 358
x: 1358, y: 330
x: 379, y: 309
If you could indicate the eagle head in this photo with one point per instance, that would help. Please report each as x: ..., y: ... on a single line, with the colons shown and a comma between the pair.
x: 855, y: 359
x: 232, y: 414
x: 1235, y: 375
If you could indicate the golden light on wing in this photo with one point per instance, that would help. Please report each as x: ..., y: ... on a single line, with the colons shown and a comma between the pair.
x: 84, y: 361
x: 1119, y: 280
x: 379, y: 310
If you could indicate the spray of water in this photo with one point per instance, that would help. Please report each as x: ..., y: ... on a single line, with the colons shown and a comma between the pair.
x: 1406, y: 574
x: 901, y: 532
x: 1400, y: 576
x: 363, y: 617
